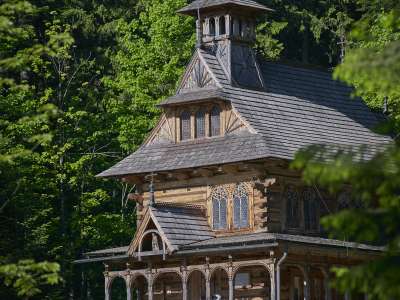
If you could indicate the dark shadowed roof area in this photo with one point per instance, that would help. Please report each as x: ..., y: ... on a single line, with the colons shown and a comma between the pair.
x: 194, y: 96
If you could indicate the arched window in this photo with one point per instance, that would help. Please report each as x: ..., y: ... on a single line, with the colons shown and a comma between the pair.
x: 240, y: 207
x: 292, y: 207
x: 219, y: 199
x: 311, y: 209
x: 212, y: 26
x: 185, y: 126
x: 222, y: 28
x: 200, y: 124
x: 215, y: 121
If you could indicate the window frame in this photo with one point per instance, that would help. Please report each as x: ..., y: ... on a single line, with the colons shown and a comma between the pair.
x: 220, y: 190
x: 313, y: 210
x: 202, y: 111
x: 289, y: 225
x: 240, y: 188
x: 211, y: 129
x: 230, y: 190
x: 186, y: 113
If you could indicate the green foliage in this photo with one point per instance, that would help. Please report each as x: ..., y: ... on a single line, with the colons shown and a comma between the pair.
x: 26, y: 277
x: 373, y: 60
x: 372, y: 66
x: 153, y: 51
x: 79, y: 81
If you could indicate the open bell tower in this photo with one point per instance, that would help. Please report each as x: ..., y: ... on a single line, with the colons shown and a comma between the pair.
x: 227, y: 28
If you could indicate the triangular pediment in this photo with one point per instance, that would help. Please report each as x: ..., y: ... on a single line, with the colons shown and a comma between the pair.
x: 149, y: 228
x: 197, y: 75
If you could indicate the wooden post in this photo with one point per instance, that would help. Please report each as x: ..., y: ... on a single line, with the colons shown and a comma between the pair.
x: 184, y: 281
x: 327, y: 288
x: 107, y: 283
x: 208, y: 279
x: 230, y: 278
x: 272, y: 275
x: 150, y: 282
x: 228, y: 21
x: 128, y: 293
x: 347, y: 296
x: 306, y: 272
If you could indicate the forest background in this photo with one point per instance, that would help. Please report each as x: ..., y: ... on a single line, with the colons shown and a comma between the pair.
x: 79, y: 81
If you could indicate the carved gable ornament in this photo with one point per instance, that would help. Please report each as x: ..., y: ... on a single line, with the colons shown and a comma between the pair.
x: 150, y: 237
x: 163, y: 132
x: 197, y: 76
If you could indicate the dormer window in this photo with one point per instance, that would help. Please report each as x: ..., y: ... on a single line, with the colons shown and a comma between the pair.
x: 215, y: 121
x: 219, y: 199
x: 200, y: 123
x: 185, y: 126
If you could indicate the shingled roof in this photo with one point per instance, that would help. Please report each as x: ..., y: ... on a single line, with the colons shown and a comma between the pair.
x: 298, y: 108
x: 182, y: 225
x: 177, y: 224
x: 197, y: 96
x: 192, y: 8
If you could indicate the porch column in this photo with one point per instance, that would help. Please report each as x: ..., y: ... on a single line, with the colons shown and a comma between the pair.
x: 347, y: 296
x: 327, y: 288
x: 150, y: 283
x: 272, y: 276
x: 128, y: 282
x: 208, y: 279
x: 306, y: 273
x: 184, y: 282
x: 128, y: 293
x: 107, y: 283
x: 230, y: 278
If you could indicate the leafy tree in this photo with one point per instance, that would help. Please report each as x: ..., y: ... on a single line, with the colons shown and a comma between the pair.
x: 372, y: 66
x: 27, y: 277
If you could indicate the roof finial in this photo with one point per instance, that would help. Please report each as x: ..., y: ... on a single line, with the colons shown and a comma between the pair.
x: 342, y: 44
x: 385, y: 106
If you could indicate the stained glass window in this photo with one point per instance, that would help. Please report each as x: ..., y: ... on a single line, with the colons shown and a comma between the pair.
x: 310, y: 206
x: 185, y: 126
x: 215, y: 121
x: 292, y: 207
x: 240, y: 207
x: 200, y: 124
x: 219, y: 199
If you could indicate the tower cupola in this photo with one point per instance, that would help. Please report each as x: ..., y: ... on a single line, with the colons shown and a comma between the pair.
x: 224, y: 19
x: 227, y: 29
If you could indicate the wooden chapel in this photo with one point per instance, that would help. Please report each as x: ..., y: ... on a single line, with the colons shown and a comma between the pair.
x: 220, y: 213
